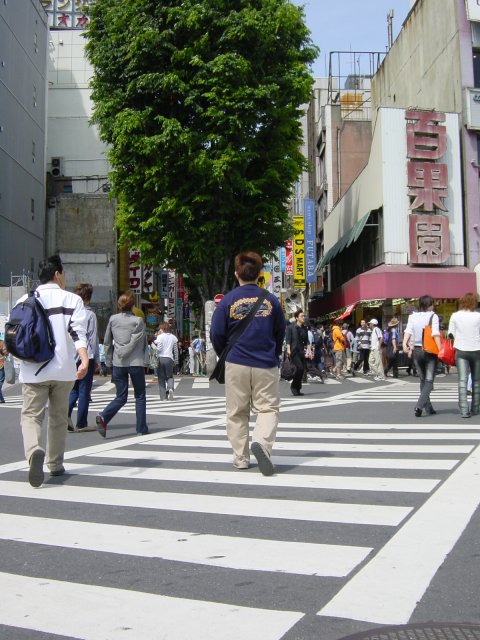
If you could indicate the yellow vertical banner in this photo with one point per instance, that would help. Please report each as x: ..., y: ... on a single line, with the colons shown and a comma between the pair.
x: 299, y: 252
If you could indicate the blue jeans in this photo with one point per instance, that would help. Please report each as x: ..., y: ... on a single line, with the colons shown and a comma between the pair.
x: 81, y: 393
x: 426, y: 365
x: 165, y: 376
x: 468, y: 362
x: 2, y: 380
x: 120, y: 378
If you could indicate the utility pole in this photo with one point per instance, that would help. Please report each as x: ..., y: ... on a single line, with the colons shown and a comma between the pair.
x: 390, y: 28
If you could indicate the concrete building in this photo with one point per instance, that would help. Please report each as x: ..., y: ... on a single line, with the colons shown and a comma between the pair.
x: 23, y: 70
x: 408, y: 224
x: 80, y: 213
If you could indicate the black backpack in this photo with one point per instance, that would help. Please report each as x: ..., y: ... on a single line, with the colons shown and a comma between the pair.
x: 28, y: 332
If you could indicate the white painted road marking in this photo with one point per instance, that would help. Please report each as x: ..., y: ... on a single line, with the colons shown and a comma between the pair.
x: 359, y: 483
x: 248, y: 554
x: 223, y: 505
x: 389, y: 587
x: 290, y: 461
x: 321, y: 447
x: 27, y: 603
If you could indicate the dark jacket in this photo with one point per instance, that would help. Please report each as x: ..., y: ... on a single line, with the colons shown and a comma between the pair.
x: 260, y: 345
x: 297, y: 338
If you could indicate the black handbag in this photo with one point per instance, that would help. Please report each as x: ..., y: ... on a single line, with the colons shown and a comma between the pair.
x: 288, y: 369
x: 218, y: 373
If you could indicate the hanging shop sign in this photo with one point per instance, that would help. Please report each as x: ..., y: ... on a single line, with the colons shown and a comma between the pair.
x: 427, y: 184
x: 289, y: 258
x: 163, y: 292
x: 299, y: 252
x: 134, y: 271
x: 67, y: 14
x: 473, y: 10
x: 147, y: 278
x: 276, y: 276
x: 171, y: 308
x: 282, y: 253
x: 310, y: 241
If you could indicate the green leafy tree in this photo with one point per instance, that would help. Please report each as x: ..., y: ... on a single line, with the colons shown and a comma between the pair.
x: 200, y: 103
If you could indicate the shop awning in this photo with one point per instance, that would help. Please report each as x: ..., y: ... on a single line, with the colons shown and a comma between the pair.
x: 398, y: 283
x: 345, y: 241
x: 347, y: 312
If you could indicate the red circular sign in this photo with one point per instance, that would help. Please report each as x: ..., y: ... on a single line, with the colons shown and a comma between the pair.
x: 218, y: 298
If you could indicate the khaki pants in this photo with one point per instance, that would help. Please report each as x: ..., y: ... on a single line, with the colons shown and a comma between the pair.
x: 251, y: 388
x: 35, y: 397
x: 375, y: 363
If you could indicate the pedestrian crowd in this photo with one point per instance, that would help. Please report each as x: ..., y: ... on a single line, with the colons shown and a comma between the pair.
x: 250, y: 335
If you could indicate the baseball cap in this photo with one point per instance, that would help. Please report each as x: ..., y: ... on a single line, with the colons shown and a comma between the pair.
x: 373, y: 321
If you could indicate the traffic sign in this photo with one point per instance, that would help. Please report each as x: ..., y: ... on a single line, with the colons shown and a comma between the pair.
x: 218, y: 298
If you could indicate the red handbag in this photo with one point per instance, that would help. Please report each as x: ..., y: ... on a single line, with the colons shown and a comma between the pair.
x: 447, y: 353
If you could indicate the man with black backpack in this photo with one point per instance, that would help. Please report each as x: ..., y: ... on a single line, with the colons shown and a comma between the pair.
x: 52, y: 381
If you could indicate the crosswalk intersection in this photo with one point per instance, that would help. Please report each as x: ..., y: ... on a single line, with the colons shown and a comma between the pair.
x: 177, y: 544
x: 187, y: 404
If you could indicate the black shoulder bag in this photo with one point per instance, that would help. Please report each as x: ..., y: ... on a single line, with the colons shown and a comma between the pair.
x: 218, y: 373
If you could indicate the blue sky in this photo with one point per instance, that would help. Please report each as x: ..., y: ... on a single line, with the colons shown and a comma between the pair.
x: 350, y: 25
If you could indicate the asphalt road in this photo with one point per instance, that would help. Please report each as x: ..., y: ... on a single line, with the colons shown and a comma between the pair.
x: 371, y: 520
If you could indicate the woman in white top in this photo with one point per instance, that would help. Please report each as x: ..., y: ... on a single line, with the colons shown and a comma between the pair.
x: 167, y: 350
x: 465, y: 328
x: 425, y: 362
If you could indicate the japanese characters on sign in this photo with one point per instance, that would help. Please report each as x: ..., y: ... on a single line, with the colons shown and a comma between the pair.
x: 134, y: 271
x: 276, y: 276
x: 310, y: 240
x: 163, y: 284
x: 67, y: 14
x: 427, y: 183
x: 171, y: 309
x: 299, y: 252
x: 289, y: 258
x: 147, y: 279
x: 429, y: 238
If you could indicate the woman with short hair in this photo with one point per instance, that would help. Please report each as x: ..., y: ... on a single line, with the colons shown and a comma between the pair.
x: 464, y: 326
x: 125, y: 344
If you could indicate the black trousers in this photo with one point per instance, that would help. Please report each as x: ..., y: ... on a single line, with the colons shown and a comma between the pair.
x: 362, y: 359
x: 299, y: 362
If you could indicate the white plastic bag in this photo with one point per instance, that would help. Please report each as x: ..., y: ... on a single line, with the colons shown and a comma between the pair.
x: 9, y: 371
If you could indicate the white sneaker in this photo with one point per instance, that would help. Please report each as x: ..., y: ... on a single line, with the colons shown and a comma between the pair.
x: 170, y: 394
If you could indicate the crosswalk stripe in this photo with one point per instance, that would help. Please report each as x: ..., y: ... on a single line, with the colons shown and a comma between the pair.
x: 289, y: 461
x: 248, y: 554
x: 358, y: 435
x: 27, y: 603
x: 362, y: 514
x: 325, y: 446
x: 426, y: 426
x: 388, y: 588
x: 413, y: 485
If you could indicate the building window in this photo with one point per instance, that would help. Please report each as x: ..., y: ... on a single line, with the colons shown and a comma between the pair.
x: 476, y: 68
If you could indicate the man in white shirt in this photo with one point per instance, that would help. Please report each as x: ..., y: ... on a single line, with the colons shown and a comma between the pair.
x: 425, y: 362
x: 54, y: 382
x: 375, y: 357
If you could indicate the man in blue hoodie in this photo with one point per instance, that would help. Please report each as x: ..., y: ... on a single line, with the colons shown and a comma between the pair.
x: 251, y: 368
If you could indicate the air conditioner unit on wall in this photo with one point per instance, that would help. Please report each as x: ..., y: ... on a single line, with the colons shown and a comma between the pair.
x: 57, y: 167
